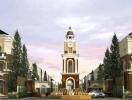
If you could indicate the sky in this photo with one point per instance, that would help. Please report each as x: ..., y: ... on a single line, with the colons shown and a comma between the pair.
x: 43, y: 25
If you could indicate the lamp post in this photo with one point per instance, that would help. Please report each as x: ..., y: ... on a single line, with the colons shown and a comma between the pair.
x: 51, y: 84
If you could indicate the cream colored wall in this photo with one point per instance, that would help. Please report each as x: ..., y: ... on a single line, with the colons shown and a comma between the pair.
x: 6, y: 43
x: 70, y: 55
x: 2, y: 43
x: 40, y: 84
x: 125, y: 46
x: 66, y: 46
x: 129, y: 45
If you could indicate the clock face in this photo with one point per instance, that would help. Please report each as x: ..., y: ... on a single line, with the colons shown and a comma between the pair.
x: 70, y: 44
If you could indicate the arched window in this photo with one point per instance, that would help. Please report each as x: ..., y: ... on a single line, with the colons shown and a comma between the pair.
x: 70, y: 65
x: 129, y: 65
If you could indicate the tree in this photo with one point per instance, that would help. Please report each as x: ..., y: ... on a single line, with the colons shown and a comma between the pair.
x: 45, y: 76
x: 92, y: 75
x: 17, y: 55
x: 41, y: 74
x: 16, y: 63
x: 12, y: 82
x: 115, y: 58
x: 35, y: 72
x: 100, y: 73
x: 25, y: 62
x: 84, y: 84
x: 107, y: 65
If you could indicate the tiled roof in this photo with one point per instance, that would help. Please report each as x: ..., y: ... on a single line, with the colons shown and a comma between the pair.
x: 2, y: 32
x: 130, y: 33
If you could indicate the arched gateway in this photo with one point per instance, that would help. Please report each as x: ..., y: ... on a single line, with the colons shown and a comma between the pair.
x: 70, y: 75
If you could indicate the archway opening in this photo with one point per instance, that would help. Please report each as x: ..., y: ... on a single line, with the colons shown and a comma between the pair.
x: 70, y: 84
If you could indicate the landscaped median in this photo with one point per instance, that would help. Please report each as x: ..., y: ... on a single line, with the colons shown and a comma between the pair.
x: 68, y: 97
x: 75, y: 97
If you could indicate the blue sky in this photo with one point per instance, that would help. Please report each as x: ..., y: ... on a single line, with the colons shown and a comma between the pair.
x: 43, y: 25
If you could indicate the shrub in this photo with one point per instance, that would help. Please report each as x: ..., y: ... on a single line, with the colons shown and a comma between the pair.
x: 12, y: 95
x: 23, y: 92
x: 127, y: 94
x: 117, y: 91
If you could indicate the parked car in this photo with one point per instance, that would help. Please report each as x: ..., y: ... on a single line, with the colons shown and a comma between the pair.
x: 93, y: 93
x: 97, y: 94
x: 101, y: 94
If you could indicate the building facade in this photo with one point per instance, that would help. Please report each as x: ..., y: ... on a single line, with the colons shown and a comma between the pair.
x: 126, y: 57
x: 70, y: 75
x: 5, y: 60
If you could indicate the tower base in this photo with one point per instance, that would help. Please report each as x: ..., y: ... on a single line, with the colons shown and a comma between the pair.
x: 70, y: 81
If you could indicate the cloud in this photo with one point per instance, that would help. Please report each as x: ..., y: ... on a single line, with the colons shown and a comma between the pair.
x: 81, y: 24
x: 46, y: 58
x: 87, y: 65
x: 103, y: 36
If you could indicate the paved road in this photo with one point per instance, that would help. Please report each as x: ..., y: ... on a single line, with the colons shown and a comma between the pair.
x: 59, y: 99
x: 34, y: 98
x: 110, y: 99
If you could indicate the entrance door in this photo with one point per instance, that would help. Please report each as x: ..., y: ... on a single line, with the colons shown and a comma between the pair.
x: 1, y: 87
x: 70, y: 85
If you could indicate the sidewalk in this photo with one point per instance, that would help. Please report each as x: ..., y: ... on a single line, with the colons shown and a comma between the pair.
x: 2, y: 96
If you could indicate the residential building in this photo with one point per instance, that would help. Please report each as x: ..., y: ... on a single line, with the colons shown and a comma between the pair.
x: 5, y: 60
x: 126, y: 57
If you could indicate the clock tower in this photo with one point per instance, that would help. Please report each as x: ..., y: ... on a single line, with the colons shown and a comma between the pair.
x: 70, y: 75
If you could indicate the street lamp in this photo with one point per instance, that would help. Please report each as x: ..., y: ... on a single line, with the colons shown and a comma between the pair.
x: 51, y: 84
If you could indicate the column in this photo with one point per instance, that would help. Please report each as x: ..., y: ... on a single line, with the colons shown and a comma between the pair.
x: 75, y: 65
x: 64, y: 65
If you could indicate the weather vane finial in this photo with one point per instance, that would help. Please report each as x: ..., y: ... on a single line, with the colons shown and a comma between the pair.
x: 70, y: 28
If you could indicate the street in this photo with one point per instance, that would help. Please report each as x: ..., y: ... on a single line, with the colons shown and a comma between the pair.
x: 110, y: 99
x: 42, y: 98
x: 78, y: 99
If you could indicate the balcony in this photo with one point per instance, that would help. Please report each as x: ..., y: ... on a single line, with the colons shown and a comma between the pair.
x: 2, y: 56
x: 128, y: 70
x: 6, y: 70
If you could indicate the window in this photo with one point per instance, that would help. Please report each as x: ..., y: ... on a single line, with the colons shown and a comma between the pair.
x: 70, y: 37
x: 65, y: 51
x: 1, y: 66
x: 129, y: 65
x: 70, y: 65
x: 1, y: 86
x: 70, y: 50
x: 74, y: 51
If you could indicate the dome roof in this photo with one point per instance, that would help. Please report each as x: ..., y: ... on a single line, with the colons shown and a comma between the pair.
x: 70, y: 33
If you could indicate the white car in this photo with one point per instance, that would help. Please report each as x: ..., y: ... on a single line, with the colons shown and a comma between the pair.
x: 101, y: 94
x: 93, y: 93
x: 96, y: 94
